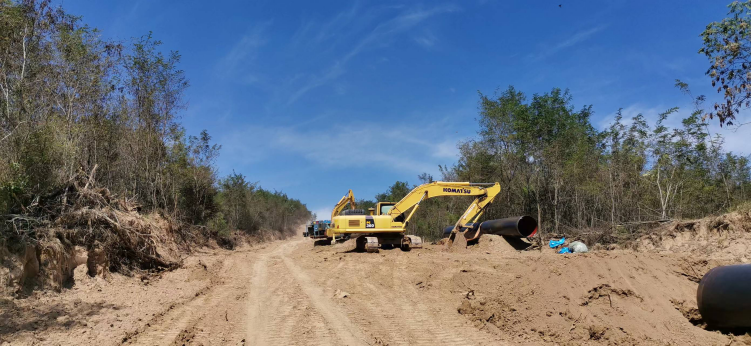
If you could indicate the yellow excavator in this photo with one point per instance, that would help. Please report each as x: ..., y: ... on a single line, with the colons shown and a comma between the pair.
x: 385, y: 225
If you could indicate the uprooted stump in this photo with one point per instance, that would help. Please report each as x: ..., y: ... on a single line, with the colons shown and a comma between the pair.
x: 80, y: 223
x: 129, y: 244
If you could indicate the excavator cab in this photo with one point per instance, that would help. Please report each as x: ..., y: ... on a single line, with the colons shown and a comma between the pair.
x: 383, y: 208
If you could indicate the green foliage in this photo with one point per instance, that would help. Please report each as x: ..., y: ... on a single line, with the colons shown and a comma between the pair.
x: 552, y: 164
x: 395, y: 193
x: 219, y: 224
x: 15, y: 184
x: 72, y: 102
x: 249, y: 208
x: 727, y: 46
x: 365, y: 204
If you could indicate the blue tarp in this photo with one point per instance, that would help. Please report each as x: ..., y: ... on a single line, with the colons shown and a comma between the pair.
x: 556, y: 243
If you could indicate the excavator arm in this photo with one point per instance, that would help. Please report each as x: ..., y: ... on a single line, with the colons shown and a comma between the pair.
x: 485, y: 192
x: 349, y: 198
x: 478, y: 207
x: 471, y: 215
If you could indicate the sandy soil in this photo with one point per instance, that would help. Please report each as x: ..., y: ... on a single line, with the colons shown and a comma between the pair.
x: 294, y: 293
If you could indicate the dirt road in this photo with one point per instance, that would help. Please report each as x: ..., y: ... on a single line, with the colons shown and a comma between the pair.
x: 276, y: 294
x: 294, y: 293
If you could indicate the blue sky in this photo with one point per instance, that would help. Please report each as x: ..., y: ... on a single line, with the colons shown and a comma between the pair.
x: 314, y: 98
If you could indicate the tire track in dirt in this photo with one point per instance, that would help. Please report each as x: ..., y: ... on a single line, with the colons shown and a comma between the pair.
x: 286, y: 308
x: 256, y: 300
x: 383, y: 308
x: 203, y: 318
x: 166, y: 326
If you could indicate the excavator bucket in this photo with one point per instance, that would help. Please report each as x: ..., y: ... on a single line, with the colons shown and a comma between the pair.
x: 515, y: 227
x: 456, y: 241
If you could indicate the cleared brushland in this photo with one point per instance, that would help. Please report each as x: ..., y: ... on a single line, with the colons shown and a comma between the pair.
x: 293, y: 292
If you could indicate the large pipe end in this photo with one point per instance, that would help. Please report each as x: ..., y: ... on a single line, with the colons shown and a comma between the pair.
x: 527, y: 226
x: 517, y: 226
x: 723, y: 297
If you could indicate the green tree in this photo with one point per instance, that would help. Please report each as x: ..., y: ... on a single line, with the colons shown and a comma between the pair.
x: 395, y: 193
x: 727, y: 46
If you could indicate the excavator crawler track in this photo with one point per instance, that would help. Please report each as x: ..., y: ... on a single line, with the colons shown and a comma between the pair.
x: 367, y: 244
x: 411, y: 242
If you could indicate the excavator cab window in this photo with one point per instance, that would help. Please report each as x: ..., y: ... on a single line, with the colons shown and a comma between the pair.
x: 384, y: 208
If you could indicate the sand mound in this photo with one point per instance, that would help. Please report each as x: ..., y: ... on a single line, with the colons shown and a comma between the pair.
x: 496, y: 244
x: 604, y: 297
x: 645, y: 296
x: 726, y: 237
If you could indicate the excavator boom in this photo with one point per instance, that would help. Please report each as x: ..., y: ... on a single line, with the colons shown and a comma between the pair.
x: 348, y: 198
x: 485, y: 192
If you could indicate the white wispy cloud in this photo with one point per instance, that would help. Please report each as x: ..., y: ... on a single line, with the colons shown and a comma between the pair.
x: 447, y: 149
x: 315, y: 81
x: 238, y: 61
x: 569, y: 42
x: 380, y: 36
x: 324, y: 35
x: 383, y: 32
x: 414, y: 149
x: 427, y: 39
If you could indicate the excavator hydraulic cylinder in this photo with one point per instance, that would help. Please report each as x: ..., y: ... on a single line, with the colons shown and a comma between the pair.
x: 723, y: 297
x: 517, y: 226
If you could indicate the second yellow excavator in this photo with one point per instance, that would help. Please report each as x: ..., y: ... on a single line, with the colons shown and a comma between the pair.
x: 385, y: 225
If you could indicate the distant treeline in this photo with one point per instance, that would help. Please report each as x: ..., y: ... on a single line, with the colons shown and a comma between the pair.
x: 71, y: 101
x: 554, y: 165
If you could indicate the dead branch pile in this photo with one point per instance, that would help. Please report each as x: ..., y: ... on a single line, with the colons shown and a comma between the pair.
x: 80, y: 214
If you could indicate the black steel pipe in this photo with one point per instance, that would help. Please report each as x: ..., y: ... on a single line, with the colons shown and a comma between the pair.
x: 517, y: 226
x: 471, y: 227
x: 723, y: 297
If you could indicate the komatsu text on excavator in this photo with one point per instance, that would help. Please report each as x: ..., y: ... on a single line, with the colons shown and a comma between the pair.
x: 385, y: 225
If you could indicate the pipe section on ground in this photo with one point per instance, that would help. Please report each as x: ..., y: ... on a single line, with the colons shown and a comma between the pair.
x: 723, y: 297
x: 517, y: 226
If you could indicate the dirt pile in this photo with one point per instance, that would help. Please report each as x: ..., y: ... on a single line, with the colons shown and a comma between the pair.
x: 499, y: 245
x: 725, y: 237
x: 79, y: 224
x: 614, y: 297
x: 645, y: 296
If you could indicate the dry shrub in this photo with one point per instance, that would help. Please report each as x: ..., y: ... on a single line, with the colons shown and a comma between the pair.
x: 92, y: 219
